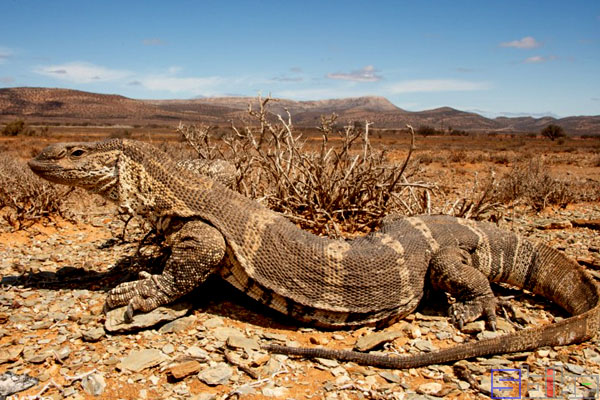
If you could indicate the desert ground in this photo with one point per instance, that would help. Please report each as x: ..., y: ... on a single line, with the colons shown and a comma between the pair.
x: 57, y: 267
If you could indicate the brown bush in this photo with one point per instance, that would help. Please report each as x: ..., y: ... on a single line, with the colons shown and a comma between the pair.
x: 343, y: 185
x: 531, y: 184
x: 24, y: 197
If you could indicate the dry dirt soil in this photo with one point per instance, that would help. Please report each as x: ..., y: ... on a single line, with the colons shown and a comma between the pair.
x: 56, y: 273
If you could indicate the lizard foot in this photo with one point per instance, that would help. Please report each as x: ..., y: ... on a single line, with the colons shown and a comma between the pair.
x: 463, y: 312
x: 144, y: 295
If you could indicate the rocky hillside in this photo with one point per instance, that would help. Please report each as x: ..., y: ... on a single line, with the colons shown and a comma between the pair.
x: 72, y: 106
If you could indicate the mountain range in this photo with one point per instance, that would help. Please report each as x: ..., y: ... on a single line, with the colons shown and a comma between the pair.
x: 49, y: 105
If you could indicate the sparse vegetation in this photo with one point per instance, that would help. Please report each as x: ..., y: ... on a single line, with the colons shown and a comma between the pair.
x: 25, y: 198
x: 553, y: 132
x: 344, y: 186
x: 426, y: 130
x: 341, y: 178
x: 20, y: 128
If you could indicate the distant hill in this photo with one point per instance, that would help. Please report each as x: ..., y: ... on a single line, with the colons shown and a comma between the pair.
x: 73, y: 106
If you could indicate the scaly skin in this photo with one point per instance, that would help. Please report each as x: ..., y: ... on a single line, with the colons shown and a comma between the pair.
x: 333, y: 283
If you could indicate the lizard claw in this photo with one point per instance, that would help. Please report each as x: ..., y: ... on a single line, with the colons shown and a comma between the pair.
x: 128, y: 316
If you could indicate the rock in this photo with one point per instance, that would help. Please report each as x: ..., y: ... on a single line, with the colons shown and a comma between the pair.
x: 542, y: 352
x: 586, y: 223
x: 63, y: 352
x: 575, y: 369
x: 274, y: 391
x: 204, y: 396
x: 180, y: 371
x: 11, y: 354
x: 424, y: 345
x: 213, y: 322
x: 474, y: 327
x: 179, y: 325
x: 390, y: 377
x: 554, y: 225
x: 198, y: 353
x: 36, y: 356
x: 240, y: 342
x: 93, y: 384
x: 216, y: 375
x: 373, y: 340
x: 327, y: 362
x: 429, y: 388
x: 92, y: 335
x: 12, y: 383
x: 115, y: 319
x: 222, y: 333
x: 168, y: 348
x: 139, y: 360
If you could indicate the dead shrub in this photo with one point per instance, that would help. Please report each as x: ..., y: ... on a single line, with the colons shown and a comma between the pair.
x: 26, y: 197
x: 531, y: 184
x: 342, y: 186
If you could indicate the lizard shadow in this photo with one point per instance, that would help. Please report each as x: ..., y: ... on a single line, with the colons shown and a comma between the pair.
x: 217, y: 297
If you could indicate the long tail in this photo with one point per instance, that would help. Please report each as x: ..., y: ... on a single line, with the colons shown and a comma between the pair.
x: 551, y: 274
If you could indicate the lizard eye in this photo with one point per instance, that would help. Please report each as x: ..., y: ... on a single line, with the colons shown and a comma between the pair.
x: 77, y: 153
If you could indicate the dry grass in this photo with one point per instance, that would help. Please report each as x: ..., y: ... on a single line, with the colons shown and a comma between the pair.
x: 336, y: 180
x: 26, y: 197
x: 337, y: 185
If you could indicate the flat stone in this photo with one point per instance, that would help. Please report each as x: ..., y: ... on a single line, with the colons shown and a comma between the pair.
x: 474, y: 327
x: 327, y: 362
x: 12, y: 383
x: 115, y: 319
x: 240, y: 342
x: 587, y: 223
x: 198, y: 353
x: 216, y: 375
x: 10, y: 354
x: 92, y: 335
x: 204, y: 396
x: 94, y: 384
x: 138, y: 360
x: 179, y: 325
x: 554, y: 225
x: 222, y: 333
x: 424, y: 345
x: 390, y: 377
x: 276, y: 391
x: 373, y: 340
x: 213, y: 322
x: 180, y: 371
x: 429, y: 388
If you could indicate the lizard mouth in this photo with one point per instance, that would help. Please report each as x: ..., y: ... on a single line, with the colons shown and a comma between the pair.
x: 47, y: 170
x: 40, y: 167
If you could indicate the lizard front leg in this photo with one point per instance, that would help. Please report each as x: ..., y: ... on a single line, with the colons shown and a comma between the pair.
x: 196, y: 251
x: 451, y: 271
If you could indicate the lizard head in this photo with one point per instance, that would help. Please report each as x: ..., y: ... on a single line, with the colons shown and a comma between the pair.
x: 92, y: 166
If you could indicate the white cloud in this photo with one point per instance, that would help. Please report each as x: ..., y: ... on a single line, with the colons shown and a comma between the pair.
x: 5, y: 54
x: 538, y: 59
x: 82, y: 72
x: 436, y: 85
x: 366, y: 74
x: 319, y: 93
x: 174, y: 84
x: 7, y: 80
x: 527, y: 42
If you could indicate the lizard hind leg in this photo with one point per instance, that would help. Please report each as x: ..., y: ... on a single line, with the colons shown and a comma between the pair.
x: 196, y: 251
x: 451, y: 271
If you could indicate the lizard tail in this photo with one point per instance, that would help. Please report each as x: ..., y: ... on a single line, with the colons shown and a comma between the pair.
x: 550, y: 274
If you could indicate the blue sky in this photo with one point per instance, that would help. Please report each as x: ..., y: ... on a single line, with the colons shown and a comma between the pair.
x: 532, y: 57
